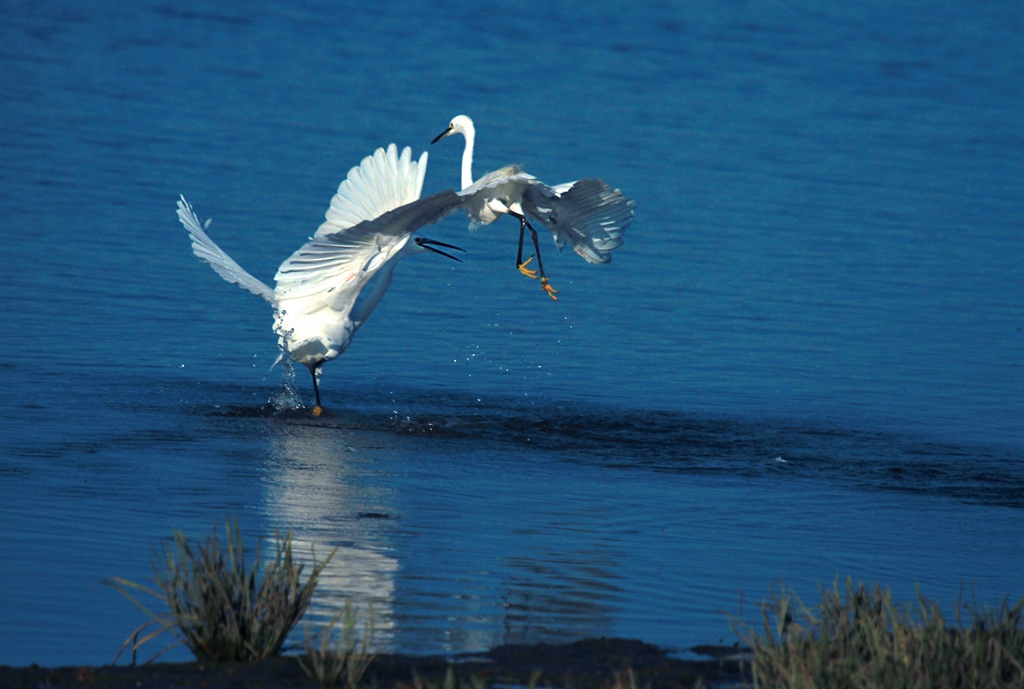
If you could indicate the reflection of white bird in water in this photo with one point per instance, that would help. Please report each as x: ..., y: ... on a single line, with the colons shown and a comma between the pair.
x: 314, y: 488
x: 588, y: 214
x: 318, y: 301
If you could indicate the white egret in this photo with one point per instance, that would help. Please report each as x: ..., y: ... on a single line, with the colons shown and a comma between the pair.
x: 587, y: 213
x: 318, y: 299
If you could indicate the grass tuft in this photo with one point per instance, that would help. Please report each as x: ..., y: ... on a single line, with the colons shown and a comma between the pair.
x: 858, y: 638
x: 218, y: 607
x: 350, y: 657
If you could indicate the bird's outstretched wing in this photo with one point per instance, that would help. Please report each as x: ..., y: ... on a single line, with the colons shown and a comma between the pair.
x: 207, y: 251
x: 329, y: 262
x: 587, y: 214
x: 382, y: 182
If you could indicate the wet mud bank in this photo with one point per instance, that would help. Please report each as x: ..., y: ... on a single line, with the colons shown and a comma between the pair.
x: 587, y: 663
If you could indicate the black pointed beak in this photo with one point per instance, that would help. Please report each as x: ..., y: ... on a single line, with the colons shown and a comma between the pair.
x: 429, y: 245
x: 440, y: 136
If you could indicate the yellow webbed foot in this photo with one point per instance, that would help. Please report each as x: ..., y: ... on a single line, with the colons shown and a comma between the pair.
x: 528, y: 272
x: 317, y: 410
x: 548, y: 288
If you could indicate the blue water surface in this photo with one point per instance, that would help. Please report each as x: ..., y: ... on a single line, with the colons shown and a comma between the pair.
x: 806, y: 360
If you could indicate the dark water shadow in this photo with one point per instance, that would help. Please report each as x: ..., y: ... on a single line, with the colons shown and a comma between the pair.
x: 681, y: 442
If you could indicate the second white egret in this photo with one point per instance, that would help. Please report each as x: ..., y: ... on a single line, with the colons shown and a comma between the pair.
x: 587, y: 214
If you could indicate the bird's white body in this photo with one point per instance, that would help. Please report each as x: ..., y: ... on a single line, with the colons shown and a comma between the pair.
x: 586, y: 214
x: 319, y: 298
x: 497, y: 193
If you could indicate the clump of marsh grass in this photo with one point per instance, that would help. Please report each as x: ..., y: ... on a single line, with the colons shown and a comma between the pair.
x: 218, y: 607
x: 325, y: 662
x: 858, y: 638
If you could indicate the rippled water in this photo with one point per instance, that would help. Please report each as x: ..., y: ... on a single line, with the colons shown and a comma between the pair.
x: 806, y: 360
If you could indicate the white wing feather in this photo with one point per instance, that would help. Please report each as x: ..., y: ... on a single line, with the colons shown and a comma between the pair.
x: 327, y: 263
x: 380, y: 183
x: 207, y: 251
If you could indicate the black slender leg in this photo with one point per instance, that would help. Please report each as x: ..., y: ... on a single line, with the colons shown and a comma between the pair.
x: 544, y: 285
x: 522, y: 234
x: 316, y: 390
x: 528, y: 272
x: 536, y: 247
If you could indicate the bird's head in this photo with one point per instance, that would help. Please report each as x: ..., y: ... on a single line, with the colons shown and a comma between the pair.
x: 460, y: 124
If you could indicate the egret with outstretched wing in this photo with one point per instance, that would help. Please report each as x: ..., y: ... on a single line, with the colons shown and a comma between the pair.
x: 319, y: 301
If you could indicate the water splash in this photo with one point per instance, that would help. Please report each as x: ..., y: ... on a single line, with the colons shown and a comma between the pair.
x: 287, y: 397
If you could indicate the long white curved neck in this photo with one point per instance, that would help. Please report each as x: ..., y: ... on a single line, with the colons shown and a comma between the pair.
x: 467, y: 156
